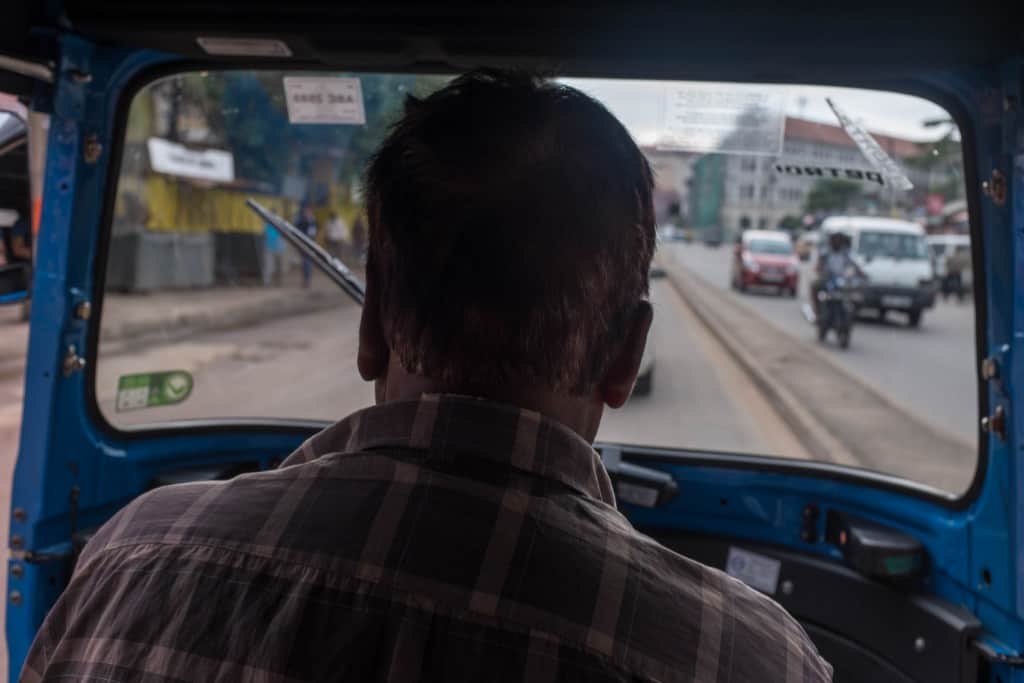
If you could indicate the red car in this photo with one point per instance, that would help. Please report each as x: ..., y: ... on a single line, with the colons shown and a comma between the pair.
x: 765, y: 258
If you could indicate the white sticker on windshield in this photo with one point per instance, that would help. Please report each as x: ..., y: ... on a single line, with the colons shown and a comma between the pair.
x: 320, y: 99
x: 725, y: 120
x: 757, y: 571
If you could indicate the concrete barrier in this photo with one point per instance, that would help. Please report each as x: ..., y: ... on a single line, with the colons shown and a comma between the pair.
x: 836, y: 416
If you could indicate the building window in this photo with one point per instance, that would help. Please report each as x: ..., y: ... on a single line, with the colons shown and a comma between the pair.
x: 746, y: 191
x: 744, y: 222
x: 762, y: 223
x: 748, y: 164
x: 764, y: 192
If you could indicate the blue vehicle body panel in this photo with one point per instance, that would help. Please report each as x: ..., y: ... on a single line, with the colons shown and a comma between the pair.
x: 71, y: 474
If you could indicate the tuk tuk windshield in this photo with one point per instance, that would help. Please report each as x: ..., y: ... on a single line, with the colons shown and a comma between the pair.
x: 209, y: 315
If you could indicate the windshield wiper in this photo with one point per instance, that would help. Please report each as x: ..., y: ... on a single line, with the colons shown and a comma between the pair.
x: 307, y: 246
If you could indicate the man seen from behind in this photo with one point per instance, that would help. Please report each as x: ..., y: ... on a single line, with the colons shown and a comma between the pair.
x: 463, y: 528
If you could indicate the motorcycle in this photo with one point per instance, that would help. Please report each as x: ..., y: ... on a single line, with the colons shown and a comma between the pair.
x: 837, y: 307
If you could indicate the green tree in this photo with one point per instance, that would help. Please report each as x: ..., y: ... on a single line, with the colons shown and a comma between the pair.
x: 942, y: 160
x: 790, y: 223
x: 246, y: 112
x: 831, y: 194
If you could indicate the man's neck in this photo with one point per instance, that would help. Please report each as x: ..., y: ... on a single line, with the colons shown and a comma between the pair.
x: 582, y: 413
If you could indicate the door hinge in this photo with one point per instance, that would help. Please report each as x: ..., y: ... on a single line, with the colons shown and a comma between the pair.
x: 92, y: 149
x: 995, y: 423
x: 72, y: 361
x: 995, y: 187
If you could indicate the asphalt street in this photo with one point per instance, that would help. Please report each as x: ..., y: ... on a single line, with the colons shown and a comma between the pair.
x: 929, y: 370
x: 303, y: 367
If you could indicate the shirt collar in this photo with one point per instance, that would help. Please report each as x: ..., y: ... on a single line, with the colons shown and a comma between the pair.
x: 443, y: 425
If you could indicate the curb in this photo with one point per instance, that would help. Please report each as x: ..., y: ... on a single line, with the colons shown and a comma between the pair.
x: 879, y: 394
x: 188, y: 323
x: 816, y: 440
x: 866, y: 385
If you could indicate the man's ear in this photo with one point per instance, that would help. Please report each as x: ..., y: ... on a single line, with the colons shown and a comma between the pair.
x: 372, y: 358
x: 618, y: 381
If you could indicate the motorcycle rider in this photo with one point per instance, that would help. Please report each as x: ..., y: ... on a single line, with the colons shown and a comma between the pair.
x: 832, y: 263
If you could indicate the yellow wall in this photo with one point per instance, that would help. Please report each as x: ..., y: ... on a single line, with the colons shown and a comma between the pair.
x: 176, y: 206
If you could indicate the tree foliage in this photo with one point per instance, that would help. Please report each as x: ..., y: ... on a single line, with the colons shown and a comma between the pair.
x: 246, y: 113
x: 831, y: 194
x: 942, y: 160
x: 790, y: 223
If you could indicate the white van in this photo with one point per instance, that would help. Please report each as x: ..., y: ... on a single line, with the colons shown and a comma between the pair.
x: 895, y: 257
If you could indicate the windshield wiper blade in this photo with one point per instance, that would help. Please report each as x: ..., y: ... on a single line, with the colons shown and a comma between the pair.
x: 332, y: 267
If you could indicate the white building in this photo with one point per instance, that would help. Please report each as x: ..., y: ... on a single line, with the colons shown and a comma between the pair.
x: 757, y: 194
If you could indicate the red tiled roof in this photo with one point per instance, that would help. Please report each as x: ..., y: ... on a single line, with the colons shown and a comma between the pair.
x: 813, y: 131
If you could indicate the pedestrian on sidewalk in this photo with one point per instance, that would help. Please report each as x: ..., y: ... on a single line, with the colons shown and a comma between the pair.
x: 307, y: 224
x: 17, y: 247
x: 337, y: 235
x: 273, y: 255
x: 17, y: 240
x: 956, y: 264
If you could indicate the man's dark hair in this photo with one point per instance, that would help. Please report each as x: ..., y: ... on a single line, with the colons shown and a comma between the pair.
x: 511, y: 233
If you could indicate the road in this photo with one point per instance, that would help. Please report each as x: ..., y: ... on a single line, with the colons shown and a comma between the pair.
x: 303, y: 367
x: 930, y: 370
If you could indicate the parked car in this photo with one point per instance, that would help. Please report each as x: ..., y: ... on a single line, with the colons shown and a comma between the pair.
x: 806, y: 245
x: 712, y: 237
x: 645, y: 378
x: 894, y: 256
x: 765, y: 258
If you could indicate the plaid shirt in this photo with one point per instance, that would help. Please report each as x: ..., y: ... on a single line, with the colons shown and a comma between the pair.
x: 442, y: 539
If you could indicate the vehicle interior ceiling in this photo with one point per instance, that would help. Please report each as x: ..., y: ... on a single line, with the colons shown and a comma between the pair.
x: 742, y: 41
x: 750, y: 42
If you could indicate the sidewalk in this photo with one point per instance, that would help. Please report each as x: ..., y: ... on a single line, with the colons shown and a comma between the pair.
x: 836, y: 416
x: 134, y: 318
x: 128, y: 319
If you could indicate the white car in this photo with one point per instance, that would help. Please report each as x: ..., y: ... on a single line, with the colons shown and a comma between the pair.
x: 645, y: 378
x: 894, y: 256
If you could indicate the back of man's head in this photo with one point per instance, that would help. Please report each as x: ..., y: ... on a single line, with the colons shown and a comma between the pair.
x: 511, y: 233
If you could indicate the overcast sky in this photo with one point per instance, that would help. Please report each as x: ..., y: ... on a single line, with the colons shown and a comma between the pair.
x: 640, y: 105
